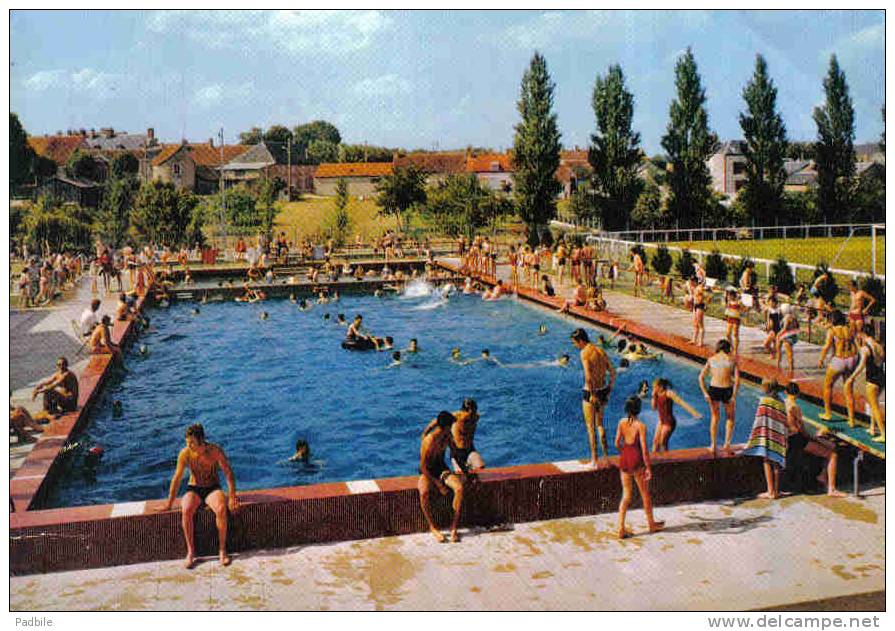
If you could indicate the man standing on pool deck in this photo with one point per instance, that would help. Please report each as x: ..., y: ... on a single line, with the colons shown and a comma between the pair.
x: 596, y: 391
x: 434, y: 472
x: 203, y: 459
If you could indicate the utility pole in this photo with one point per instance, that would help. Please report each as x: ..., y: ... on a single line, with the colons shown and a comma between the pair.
x: 221, y: 186
x: 289, y: 167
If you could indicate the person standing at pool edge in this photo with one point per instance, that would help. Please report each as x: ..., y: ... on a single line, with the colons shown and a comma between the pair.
x: 596, y: 391
x: 434, y: 472
x: 204, y: 487
x: 725, y: 381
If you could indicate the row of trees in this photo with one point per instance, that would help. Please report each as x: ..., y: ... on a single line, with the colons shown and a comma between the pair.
x: 681, y: 193
x: 317, y: 142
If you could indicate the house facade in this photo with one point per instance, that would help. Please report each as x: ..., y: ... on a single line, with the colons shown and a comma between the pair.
x: 194, y: 167
x: 361, y: 177
x: 493, y: 170
x: 84, y: 193
x: 269, y: 160
x: 436, y: 166
x: 727, y: 167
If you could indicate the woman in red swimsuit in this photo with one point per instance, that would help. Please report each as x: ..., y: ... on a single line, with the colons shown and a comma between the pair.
x: 663, y: 402
x: 634, y: 462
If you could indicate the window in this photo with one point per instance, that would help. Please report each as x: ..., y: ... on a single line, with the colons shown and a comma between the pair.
x: 739, y: 168
x: 176, y: 168
x: 495, y: 166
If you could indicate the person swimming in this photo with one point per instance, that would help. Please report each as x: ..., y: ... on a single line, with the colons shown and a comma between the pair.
x: 643, y: 390
x: 383, y: 343
x: 340, y: 320
x: 377, y: 293
x: 322, y: 299
x: 414, y: 347
x: 396, y: 358
x: 456, y: 355
x: 325, y: 317
x: 264, y: 315
x: 303, y: 305
x: 542, y: 330
x: 292, y: 298
x: 563, y: 360
x: 302, y: 451
x: 144, y: 350
x: 195, y: 312
x: 624, y: 364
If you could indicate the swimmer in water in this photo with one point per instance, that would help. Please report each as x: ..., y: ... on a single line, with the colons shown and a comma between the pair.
x: 624, y: 364
x: 302, y: 451
x: 144, y: 350
x: 643, y: 389
x: 413, y: 348
x: 383, y: 344
x: 340, y: 320
x: 322, y: 299
x: 486, y: 357
x: 325, y: 317
x: 377, y: 293
x: 204, y: 298
x: 563, y: 360
x: 303, y: 305
x: 456, y: 356
x: 292, y: 298
x: 542, y: 330
x: 396, y: 359
x: 264, y: 315
x: 335, y: 297
x: 195, y: 312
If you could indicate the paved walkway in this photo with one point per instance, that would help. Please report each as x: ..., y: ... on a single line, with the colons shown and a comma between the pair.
x: 37, y: 337
x: 712, y: 556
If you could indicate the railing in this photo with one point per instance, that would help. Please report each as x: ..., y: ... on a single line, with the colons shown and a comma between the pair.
x: 619, y: 248
x: 734, y: 233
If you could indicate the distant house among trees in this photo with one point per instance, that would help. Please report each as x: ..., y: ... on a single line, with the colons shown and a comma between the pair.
x: 84, y: 193
x: 194, y: 167
x: 361, y: 177
x: 269, y: 159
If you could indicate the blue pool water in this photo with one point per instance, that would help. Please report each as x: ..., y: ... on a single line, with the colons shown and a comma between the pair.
x: 258, y: 385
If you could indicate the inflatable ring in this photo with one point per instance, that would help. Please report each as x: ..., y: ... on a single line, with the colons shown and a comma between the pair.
x: 358, y: 344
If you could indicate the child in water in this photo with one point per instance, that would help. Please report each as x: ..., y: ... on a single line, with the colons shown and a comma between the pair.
x: 302, y: 451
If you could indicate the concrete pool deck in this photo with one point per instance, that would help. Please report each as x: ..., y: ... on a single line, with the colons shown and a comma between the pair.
x: 724, y: 555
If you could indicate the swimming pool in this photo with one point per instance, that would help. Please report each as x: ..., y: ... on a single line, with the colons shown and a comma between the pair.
x: 258, y: 385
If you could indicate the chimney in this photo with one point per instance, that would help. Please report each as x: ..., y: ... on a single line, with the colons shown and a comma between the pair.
x: 150, y: 135
x: 107, y: 132
x: 82, y: 131
x: 211, y: 142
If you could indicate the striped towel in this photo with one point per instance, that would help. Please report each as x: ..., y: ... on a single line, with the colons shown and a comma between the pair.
x: 769, y: 432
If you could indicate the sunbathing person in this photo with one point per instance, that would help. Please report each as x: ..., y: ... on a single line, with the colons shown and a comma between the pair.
x: 60, y: 392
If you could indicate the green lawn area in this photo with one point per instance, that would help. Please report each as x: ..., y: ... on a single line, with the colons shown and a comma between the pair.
x: 308, y: 217
x: 836, y: 252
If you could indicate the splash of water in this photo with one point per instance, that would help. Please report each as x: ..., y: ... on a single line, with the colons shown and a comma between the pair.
x: 418, y: 288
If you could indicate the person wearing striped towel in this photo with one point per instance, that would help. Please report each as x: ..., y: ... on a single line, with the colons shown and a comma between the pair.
x: 769, y: 435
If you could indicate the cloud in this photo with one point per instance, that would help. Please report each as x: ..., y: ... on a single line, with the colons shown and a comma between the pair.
x: 94, y: 83
x: 216, y: 93
x: 867, y: 41
x: 331, y: 32
x: 383, y: 86
x: 45, y: 79
x: 554, y: 29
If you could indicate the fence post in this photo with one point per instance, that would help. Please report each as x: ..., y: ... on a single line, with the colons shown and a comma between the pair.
x: 714, y: 235
x: 873, y: 249
x: 767, y: 270
x: 760, y: 234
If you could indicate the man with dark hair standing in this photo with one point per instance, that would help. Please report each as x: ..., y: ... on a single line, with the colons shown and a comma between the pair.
x: 596, y: 390
x: 204, y: 487
x: 435, y: 472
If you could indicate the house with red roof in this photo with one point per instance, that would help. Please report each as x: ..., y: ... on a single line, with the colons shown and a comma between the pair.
x: 195, y: 167
x: 361, y: 177
x: 57, y: 148
x: 493, y: 170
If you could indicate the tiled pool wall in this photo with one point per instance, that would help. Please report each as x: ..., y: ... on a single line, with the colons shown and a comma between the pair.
x: 133, y: 532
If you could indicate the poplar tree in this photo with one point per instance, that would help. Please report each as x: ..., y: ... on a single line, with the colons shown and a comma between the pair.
x: 688, y: 143
x: 536, y: 149
x: 834, y: 151
x: 765, y: 147
x: 615, y: 153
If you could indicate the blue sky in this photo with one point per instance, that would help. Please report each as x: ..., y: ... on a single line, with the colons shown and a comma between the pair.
x: 421, y: 79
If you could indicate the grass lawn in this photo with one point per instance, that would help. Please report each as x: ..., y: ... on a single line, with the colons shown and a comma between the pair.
x: 853, y: 255
x: 309, y: 217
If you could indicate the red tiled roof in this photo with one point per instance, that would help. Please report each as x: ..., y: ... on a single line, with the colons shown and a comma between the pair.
x: 204, y: 155
x: 354, y: 169
x: 165, y: 154
x: 56, y: 148
x: 446, y: 162
x: 207, y: 156
x: 484, y: 163
x: 573, y: 157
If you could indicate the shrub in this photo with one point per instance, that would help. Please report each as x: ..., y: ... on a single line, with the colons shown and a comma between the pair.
x: 828, y: 290
x: 662, y: 260
x: 684, y: 264
x: 875, y: 287
x: 781, y: 276
x: 715, y: 267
